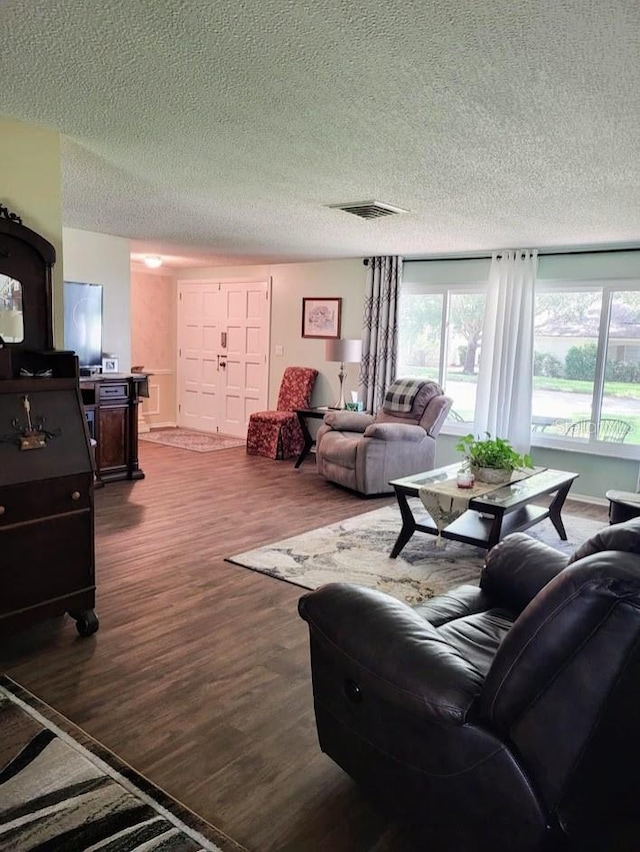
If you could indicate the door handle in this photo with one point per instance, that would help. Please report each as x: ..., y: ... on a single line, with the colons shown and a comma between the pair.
x: 221, y: 364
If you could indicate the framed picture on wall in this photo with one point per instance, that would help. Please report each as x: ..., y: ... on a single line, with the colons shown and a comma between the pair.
x: 321, y: 317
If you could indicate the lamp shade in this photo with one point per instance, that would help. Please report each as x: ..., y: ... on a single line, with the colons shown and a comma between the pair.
x: 343, y: 350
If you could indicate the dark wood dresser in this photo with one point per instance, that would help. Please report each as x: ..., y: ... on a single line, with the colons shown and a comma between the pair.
x: 111, y: 406
x: 46, y: 505
x: 47, y: 564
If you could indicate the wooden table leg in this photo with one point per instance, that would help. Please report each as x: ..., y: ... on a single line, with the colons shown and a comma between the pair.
x: 555, y: 508
x: 408, y: 524
x: 308, y: 440
x: 496, y: 531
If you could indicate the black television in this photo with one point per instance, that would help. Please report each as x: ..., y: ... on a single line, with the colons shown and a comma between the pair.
x: 83, y: 323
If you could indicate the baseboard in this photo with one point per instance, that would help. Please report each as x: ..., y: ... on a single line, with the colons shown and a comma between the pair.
x: 585, y: 498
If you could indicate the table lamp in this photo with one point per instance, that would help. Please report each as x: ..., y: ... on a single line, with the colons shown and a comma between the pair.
x: 344, y: 351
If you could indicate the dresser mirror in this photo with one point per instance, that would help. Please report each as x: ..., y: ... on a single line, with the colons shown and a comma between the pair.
x: 11, y: 321
x: 26, y: 261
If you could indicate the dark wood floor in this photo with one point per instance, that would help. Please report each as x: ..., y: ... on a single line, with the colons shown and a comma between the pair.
x: 199, y: 674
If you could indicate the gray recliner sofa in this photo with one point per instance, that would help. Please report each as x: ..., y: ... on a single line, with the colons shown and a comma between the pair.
x: 364, y: 452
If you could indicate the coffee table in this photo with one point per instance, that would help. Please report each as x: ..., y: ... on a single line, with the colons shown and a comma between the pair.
x: 490, y: 516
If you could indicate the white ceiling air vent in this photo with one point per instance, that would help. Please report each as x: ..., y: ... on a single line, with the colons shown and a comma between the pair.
x: 369, y: 209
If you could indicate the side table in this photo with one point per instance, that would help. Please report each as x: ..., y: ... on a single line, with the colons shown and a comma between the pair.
x: 623, y: 506
x: 304, y: 415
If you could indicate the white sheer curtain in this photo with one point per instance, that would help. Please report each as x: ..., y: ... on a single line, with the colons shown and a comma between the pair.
x: 503, y: 400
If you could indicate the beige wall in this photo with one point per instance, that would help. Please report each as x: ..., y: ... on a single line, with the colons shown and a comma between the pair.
x: 30, y: 185
x: 92, y: 258
x: 290, y: 282
x: 153, y: 341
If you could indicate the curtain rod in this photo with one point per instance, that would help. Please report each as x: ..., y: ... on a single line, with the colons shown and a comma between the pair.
x: 540, y: 254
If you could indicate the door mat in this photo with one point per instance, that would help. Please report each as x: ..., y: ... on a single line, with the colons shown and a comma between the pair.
x: 189, y: 439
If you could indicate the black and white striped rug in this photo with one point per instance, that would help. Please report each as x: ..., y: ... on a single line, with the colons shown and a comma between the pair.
x: 62, y: 794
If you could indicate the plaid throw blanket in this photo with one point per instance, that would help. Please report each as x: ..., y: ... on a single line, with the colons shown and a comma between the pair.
x: 400, y: 395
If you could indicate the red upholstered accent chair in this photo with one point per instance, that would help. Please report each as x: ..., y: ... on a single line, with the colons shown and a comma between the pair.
x: 277, y: 434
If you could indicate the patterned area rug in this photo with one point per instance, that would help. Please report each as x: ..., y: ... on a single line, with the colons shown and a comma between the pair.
x: 189, y: 439
x: 357, y: 551
x: 60, y: 790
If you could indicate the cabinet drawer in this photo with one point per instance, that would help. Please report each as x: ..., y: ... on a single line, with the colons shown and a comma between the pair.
x: 30, y: 501
x: 54, y: 559
x: 117, y: 392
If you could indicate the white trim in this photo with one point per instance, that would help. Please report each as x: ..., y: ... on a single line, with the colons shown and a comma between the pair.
x: 609, y: 449
x: 152, y: 412
x: 584, y: 498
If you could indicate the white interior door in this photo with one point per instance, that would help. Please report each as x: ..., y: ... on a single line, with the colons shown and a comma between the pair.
x: 245, y: 308
x: 223, y: 330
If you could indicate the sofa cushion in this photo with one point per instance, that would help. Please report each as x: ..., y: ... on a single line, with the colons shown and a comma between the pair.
x: 517, y: 568
x: 455, y: 603
x: 477, y: 637
x: 624, y: 537
x: 342, y: 448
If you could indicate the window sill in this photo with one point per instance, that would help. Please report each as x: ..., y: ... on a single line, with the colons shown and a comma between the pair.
x: 548, y: 442
x: 591, y: 448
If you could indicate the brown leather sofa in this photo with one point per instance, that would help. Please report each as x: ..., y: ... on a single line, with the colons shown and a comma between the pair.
x: 363, y: 452
x: 502, y: 718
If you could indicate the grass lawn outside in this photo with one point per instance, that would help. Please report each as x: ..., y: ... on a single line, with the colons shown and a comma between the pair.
x: 566, y: 400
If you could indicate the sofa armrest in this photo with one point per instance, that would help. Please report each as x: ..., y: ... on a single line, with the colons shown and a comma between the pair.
x: 517, y: 568
x: 348, y: 421
x: 396, y: 432
x: 392, y: 652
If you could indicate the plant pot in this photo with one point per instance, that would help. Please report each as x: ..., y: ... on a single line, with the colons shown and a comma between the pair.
x: 491, y: 475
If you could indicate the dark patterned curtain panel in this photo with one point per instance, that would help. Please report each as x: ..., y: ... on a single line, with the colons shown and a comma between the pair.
x: 380, y: 330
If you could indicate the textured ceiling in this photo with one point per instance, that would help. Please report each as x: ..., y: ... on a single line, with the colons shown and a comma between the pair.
x: 223, y: 130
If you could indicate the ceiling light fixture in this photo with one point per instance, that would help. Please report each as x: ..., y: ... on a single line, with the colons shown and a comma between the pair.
x: 153, y: 261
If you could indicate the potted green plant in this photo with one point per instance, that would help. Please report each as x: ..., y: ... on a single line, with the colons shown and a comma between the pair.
x: 491, y: 459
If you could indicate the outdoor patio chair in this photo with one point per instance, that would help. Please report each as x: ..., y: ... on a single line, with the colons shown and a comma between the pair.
x: 277, y: 434
x: 609, y: 429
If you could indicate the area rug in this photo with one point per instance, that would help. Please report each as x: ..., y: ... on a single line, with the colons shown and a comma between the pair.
x: 60, y: 790
x: 189, y: 439
x: 357, y: 551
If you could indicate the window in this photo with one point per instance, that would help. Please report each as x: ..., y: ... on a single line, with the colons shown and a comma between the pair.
x: 439, y: 339
x: 586, y: 386
x: 586, y: 371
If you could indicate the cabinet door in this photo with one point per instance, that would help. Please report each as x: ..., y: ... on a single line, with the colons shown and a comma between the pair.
x: 112, y: 442
x: 45, y: 559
